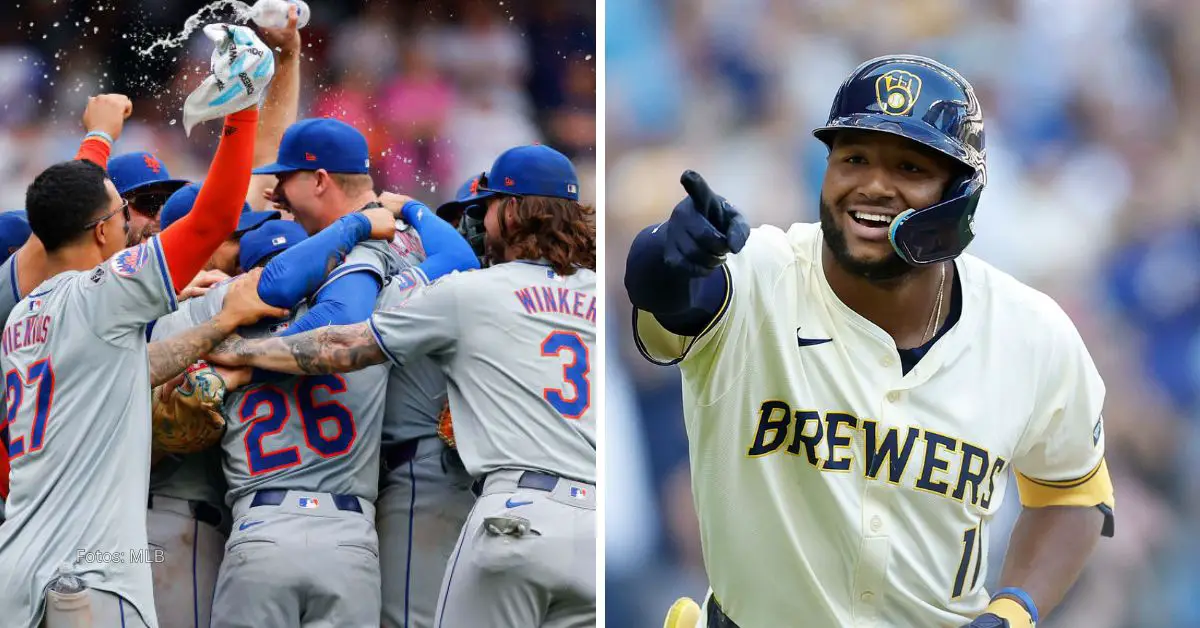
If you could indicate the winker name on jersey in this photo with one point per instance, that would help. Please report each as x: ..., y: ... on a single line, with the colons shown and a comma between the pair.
x: 833, y: 487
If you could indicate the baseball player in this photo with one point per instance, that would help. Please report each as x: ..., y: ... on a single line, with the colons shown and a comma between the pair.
x: 856, y: 391
x: 301, y: 458
x: 425, y: 491
x: 144, y: 181
x: 515, y: 341
x: 25, y: 265
x: 78, y: 380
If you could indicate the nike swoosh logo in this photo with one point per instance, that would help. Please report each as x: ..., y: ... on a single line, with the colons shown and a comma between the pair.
x: 248, y: 524
x: 808, y: 342
x: 511, y: 504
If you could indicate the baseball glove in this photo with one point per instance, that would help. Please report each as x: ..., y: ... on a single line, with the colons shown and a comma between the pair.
x: 187, y: 417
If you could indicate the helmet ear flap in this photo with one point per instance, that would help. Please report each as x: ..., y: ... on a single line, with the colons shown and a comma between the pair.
x: 942, y: 231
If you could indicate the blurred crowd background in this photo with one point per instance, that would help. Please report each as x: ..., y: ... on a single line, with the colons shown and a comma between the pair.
x: 439, y: 88
x: 1092, y: 110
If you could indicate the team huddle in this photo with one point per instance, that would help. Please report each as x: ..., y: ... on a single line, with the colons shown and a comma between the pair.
x: 277, y: 397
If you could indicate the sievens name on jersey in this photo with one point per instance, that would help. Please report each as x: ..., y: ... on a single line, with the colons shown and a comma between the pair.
x: 829, y: 442
x: 556, y: 300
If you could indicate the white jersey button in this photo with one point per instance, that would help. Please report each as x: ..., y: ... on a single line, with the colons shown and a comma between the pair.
x: 893, y: 396
x: 887, y: 360
x: 876, y: 523
x: 867, y: 597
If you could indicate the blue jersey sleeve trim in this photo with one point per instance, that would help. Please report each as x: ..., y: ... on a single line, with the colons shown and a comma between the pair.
x: 13, y: 275
x: 382, y: 346
x: 163, y: 272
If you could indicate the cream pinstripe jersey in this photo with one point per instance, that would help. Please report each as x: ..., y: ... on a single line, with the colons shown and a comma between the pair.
x: 832, y: 488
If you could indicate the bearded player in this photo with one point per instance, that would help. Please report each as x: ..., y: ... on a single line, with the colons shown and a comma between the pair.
x: 856, y: 391
x: 521, y: 399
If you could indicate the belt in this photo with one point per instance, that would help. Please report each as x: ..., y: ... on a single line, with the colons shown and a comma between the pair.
x: 400, y: 454
x: 203, y: 512
x: 716, y: 616
x: 530, y: 479
x: 275, y: 497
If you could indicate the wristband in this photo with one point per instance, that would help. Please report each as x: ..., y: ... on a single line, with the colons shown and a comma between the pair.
x: 102, y: 135
x: 1007, y: 598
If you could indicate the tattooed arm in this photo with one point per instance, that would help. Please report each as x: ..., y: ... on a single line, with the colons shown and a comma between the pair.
x: 339, y: 349
x: 168, y: 358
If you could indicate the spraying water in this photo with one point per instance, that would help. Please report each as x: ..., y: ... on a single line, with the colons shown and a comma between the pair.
x: 267, y: 13
x: 241, y: 14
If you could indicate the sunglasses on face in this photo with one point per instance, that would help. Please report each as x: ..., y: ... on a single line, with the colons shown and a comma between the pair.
x: 148, y: 203
x: 124, y: 208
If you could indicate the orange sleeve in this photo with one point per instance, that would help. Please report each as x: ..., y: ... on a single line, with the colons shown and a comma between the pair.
x: 188, y: 243
x: 94, y: 150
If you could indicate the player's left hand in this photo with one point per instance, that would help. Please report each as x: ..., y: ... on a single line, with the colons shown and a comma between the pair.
x: 286, y: 40
x: 243, y: 306
x: 988, y: 620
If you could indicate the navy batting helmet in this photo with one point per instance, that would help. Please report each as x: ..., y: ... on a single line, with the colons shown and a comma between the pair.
x: 931, y: 104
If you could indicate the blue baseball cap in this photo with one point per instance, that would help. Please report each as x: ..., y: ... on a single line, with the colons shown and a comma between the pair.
x: 133, y: 171
x: 14, y: 231
x: 467, y: 192
x: 321, y: 144
x: 272, y: 237
x: 184, y: 198
x: 535, y: 170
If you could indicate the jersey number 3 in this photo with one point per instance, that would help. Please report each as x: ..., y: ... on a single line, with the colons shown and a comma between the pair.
x: 573, y: 403
x: 314, y: 417
x: 40, y: 374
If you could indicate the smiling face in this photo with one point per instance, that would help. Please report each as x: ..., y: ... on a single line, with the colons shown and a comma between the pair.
x: 871, y: 178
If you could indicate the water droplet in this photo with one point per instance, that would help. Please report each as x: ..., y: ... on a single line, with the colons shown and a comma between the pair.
x: 588, y: 58
x: 172, y: 122
x: 56, y: 25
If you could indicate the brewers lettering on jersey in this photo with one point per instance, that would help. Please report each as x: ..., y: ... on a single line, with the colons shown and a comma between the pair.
x: 857, y: 391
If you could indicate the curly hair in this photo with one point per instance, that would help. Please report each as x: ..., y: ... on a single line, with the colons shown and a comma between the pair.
x: 558, y: 230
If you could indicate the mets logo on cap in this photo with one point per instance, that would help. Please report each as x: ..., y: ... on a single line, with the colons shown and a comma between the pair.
x: 897, y: 91
x: 128, y: 262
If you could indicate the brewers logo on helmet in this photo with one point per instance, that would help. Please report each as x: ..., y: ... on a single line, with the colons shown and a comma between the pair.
x: 931, y: 104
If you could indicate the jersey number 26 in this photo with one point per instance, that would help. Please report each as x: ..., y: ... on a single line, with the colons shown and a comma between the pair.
x: 267, y: 409
x: 571, y: 404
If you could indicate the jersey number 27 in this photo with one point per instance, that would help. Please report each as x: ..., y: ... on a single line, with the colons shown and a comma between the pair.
x: 573, y: 403
x: 267, y: 409
x: 41, y: 375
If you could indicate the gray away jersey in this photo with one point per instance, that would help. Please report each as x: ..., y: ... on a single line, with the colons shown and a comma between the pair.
x: 516, y: 341
x: 317, y: 433
x: 416, y: 393
x: 78, y: 387
x: 197, y: 476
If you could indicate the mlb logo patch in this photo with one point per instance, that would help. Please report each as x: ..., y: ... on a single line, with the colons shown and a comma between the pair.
x: 279, y: 240
x: 308, y: 502
x: 35, y: 305
x: 1097, y: 431
x: 128, y: 262
x: 578, y: 493
x: 275, y: 329
x: 572, y: 188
